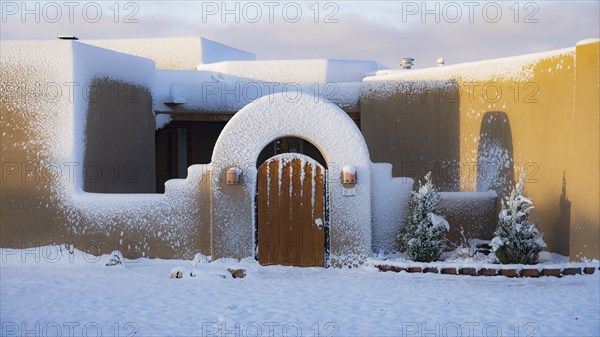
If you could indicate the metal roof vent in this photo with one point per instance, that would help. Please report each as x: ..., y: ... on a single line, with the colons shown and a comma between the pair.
x: 407, y: 62
x: 441, y: 62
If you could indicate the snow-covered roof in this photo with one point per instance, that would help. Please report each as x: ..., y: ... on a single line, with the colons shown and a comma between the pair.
x: 297, y: 71
x: 587, y: 41
x: 226, y: 79
x: 209, y: 91
x: 515, y: 68
x: 183, y: 53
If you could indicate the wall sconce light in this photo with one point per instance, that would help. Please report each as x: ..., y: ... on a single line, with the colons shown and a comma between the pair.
x: 232, y: 177
x: 349, y: 174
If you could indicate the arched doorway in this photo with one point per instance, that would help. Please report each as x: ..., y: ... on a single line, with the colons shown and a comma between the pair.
x: 327, y: 127
x: 292, y: 226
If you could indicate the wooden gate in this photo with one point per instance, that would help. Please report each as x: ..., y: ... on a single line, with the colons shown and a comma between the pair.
x: 291, y: 211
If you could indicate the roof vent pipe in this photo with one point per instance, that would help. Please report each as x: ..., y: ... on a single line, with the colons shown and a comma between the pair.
x: 441, y: 62
x: 407, y: 62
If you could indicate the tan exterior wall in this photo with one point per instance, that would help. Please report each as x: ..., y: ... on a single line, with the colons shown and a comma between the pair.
x: 31, y: 99
x: 119, y: 152
x: 535, y: 119
x: 416, y: 131
x: 470, y: 215
x: 41, y: 202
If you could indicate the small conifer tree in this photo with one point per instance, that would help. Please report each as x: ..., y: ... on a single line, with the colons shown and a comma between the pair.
x: 517, y: 240
x: 424, y: 237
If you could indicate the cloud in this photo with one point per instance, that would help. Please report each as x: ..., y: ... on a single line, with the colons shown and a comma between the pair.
x: 364, y: 30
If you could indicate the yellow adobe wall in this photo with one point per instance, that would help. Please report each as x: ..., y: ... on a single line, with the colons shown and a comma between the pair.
x: 584, y: 187
x: 540, y: 111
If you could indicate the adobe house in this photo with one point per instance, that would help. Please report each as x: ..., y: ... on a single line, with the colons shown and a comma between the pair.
x: 125, y: 144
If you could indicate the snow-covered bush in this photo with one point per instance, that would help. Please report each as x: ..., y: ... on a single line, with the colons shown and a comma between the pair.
x: 424, y: 237
x: 517, y: 240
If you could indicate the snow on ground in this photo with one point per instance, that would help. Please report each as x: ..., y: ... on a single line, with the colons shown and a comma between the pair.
x: 75, y: 294
x: 469, y: 256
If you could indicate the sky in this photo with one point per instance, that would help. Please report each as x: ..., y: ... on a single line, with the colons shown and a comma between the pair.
x: 384, y: 31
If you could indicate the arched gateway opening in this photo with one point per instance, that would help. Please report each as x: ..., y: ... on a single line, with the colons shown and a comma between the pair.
x: 292, y: 218
x: 242, y: 228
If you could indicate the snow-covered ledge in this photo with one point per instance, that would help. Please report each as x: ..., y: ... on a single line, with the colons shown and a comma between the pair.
x: 317, y: 121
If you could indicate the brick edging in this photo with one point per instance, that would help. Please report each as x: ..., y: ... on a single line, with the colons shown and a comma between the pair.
x: 487, y: 271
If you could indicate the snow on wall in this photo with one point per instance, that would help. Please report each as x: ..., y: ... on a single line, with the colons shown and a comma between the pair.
x: 296, y: 71
x: 470, y: 214
x: 587, y: 41
x: 516, y: 68
x: 158, y: 215
x: 210, y: 91
x: 152, y: 221
x: 50, y: 116
x: 494, y: 166
x: 217, y: 52
x: 162, y: 120
x: 350, y: 70
x: 183, y: 53
x: 168, y: 53
x: 89, y: 63
x: 390, y: 202
x: 339, y: 140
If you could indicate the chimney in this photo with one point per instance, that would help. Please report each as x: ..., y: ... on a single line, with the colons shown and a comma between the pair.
x: 407, y: 62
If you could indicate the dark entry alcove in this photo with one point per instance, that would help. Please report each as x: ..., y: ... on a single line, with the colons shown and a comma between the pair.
x: 290, y: 145
x: 182, y: 144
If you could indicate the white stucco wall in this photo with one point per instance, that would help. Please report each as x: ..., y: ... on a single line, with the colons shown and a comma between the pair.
x: 311, y: 71
x: 339, y: 140
x: 182, y: 53
x: 390, y: 200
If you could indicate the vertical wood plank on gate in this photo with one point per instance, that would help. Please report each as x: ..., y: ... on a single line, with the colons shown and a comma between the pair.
x: 296, y: 216
x: 288, y: 205
x: 263, y: 214
x: 284, y: 208
x: 319, y: 213
x: 307, y: 217
x: 274, y: 214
